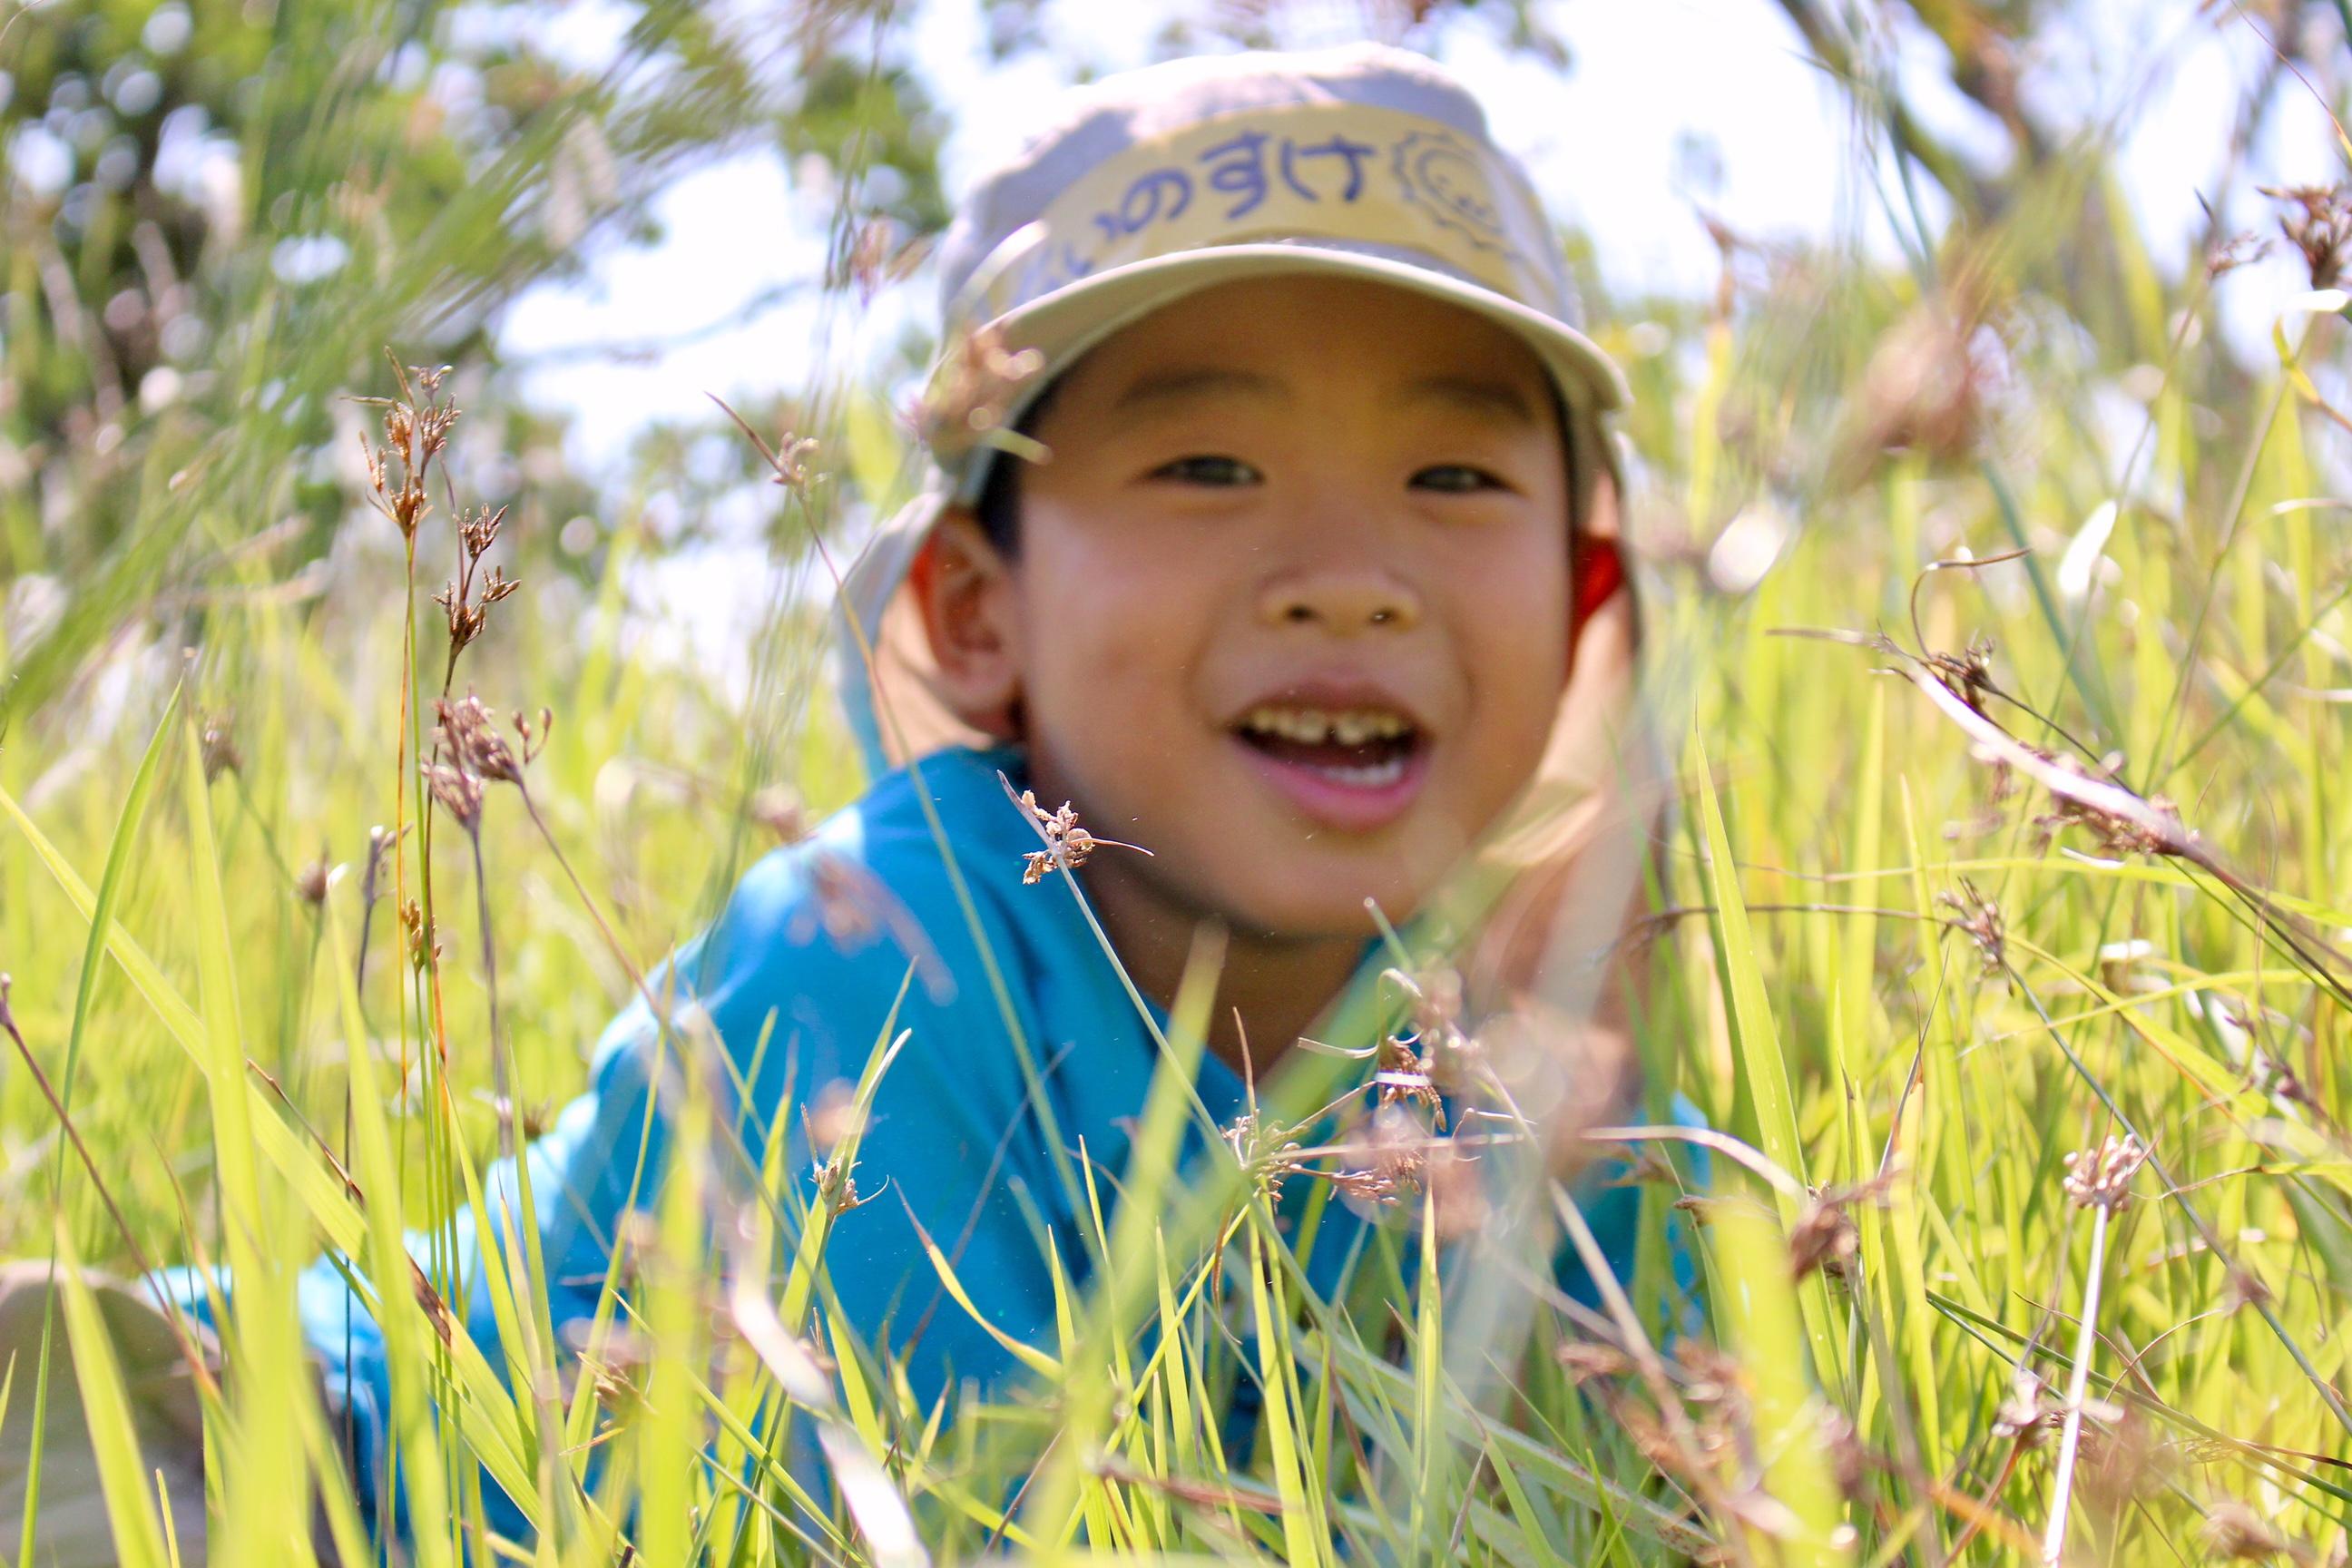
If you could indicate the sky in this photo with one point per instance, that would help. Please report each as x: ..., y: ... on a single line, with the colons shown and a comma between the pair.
x: 1669, y: 105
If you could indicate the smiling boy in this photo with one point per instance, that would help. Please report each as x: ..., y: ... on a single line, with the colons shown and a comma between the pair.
x: 1271, y: 524
x: 1306, y: 586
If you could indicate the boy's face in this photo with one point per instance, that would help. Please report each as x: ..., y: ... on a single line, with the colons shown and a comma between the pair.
x: 1290, y: 605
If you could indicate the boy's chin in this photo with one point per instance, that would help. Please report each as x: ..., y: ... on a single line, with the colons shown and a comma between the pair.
x: 1313, y: 905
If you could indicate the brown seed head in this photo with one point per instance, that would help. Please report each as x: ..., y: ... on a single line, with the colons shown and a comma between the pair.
x: 1437, y: 994
x: 973, y: 392
x: 1924, y: 390
x: 2124, y: 1459
x: 1701, y: 1207
x: 1824, y: 1237
x: 373, y: 455
x: 467, y: 732
x: 217, y: 744
x: 310, y: 882
x: 2244, y: 1289
x: 2234, y: 1532
x: 1585, y: 1360
x: 1978, y: 919
x: 381, y: 840
x: 776, y: 808
x: 464, y: 626
x: 415, y: 433
x: 479, y: 530
x: 2317, y: 221
x: 529, y: 1120
x: 2101, y: 1178
x: 2240, y: 249
x: 2160, y: 832
x: 793, y: 464
x: 1265, y: 1152
x: 1654, y: 1442
x: 616, y: 1368
x: 1365, y: 1185
x: 1716, y: 1376
x: 1968, y: 675
x: 466, y: 607
x: 1848, y: 1463
x: 1068, y: 844
x: 534, y: 734
x: 1390, y: 1159
x: 853, y: 906
x: 400, y: 429
x: 1457, y: 1194
x: 846, y: 900
x: 879, y: 255
x: 1443, y: 1050
x: 460, y: 793
x: 837, y: 1184
x: 1401, y: 1075
x: 423, y: 944
x: 2028, y: 1415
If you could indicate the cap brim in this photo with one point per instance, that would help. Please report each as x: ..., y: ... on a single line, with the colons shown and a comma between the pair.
x: 1063, y: 325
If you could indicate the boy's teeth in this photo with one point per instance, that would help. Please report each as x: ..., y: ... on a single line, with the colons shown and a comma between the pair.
x: 1372, y: 775
x: 1314, y: 726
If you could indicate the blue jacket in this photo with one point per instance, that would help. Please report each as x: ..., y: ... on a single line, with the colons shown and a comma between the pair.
x: 956, y: 1142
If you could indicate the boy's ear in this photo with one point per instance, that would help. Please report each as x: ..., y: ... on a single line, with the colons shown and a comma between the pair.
x: 1596, y: 564
x: 968, y: 598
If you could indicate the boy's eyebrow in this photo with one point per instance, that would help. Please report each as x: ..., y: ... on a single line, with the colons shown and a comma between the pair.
x: 1476, y: 394
x: 1182, y: 383
x: 1473, y: 395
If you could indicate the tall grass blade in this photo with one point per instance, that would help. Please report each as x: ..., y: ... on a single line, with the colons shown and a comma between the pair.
x: 122, y: 1474
x: 109, y: 886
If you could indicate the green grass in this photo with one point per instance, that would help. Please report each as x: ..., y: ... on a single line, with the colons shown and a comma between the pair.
x: 1904, y: 1001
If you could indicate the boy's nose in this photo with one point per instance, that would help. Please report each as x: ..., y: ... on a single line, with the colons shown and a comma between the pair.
x: 1342, y: 602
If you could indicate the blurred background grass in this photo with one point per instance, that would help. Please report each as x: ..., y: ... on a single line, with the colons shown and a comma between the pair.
x: 216, y: 218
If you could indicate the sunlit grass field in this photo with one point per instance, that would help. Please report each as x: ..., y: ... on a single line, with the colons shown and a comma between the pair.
x: 1998, y: 634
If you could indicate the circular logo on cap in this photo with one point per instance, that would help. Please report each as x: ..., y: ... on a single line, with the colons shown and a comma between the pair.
x: 1445, y: 179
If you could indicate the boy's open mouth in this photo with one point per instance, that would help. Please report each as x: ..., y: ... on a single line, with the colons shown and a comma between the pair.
x: 1354, y: 747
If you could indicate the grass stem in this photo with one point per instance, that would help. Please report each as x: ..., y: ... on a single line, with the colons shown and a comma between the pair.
x: 2086, y: 1338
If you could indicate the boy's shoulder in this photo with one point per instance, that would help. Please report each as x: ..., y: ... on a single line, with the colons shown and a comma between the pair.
x: 956, y: 793
x: 903, y: 846
x: 915, y: 885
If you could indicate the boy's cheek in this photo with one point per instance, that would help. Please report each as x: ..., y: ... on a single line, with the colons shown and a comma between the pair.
x: 1102, y: 690
x: 1113, y: 661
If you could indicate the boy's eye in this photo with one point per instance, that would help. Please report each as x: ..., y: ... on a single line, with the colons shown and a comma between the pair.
x: 1207, y: 469
x: 1455, y: 478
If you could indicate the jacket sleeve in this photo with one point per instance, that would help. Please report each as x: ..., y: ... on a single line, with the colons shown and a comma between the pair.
x: 755, y: 972
x: 1610, y: 1199
x: 796, y: 1000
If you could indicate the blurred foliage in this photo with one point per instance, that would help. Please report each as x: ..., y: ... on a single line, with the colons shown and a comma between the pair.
x: 217, y: 217
x: 1954, y: 993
